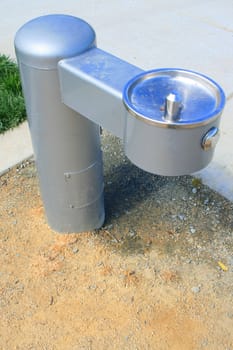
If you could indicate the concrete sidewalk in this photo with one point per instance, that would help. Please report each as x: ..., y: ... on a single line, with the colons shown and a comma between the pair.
x: 192, y: 35
x: 15, y: 146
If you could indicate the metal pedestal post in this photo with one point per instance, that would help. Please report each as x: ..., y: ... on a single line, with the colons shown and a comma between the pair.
x: 66, y: 145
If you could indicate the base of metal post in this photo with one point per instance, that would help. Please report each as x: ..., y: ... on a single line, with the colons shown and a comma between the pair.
x: 66, y: 145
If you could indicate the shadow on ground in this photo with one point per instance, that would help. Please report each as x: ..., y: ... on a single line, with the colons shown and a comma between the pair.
x: 140, y: 204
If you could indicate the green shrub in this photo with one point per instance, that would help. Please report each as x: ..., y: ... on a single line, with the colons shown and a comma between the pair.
x: 12, y: 107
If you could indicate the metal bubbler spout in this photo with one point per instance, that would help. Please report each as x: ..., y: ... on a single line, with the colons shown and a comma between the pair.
x: 173, y: 106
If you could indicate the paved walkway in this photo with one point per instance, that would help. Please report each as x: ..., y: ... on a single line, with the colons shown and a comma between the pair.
x: 15, y: 146
x: 193, y: 35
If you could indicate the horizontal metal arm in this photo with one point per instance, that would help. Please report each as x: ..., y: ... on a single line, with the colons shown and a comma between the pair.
x: 92, y: 84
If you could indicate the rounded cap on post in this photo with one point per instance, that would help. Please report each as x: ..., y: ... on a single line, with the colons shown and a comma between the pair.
x: 44, y: 41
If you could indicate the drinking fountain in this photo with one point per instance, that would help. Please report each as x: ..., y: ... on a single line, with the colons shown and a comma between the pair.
x: 168, y: 119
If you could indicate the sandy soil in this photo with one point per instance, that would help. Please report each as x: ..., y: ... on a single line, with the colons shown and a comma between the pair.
x: 158, y: 275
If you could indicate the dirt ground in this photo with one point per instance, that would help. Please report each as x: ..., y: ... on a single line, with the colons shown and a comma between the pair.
x: 158, y: 275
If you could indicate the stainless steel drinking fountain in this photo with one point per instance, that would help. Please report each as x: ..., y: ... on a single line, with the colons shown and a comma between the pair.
x: 168, y: 119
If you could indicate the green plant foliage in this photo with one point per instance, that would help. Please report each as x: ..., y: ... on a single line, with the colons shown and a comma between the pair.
x: 12, y: 107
